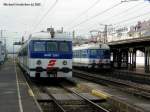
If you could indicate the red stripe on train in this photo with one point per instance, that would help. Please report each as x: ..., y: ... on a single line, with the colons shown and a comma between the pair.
x: 52, y: 63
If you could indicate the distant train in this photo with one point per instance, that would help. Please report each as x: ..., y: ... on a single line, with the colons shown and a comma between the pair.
x: 2, y: 53
x: 94, y: 55
x: 46, y: 56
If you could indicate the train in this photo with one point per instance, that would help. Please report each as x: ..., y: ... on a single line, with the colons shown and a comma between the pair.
x: 47, y: 56
x: 92, y: 55
x: 2, y: 53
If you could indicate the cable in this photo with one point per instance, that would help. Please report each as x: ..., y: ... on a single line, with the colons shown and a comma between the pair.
x: 44, y: 3
x: 118, y: 14
x: 39, y: 12
x: 45, y: 14
x: 129, y: 23
x: 132, y: 18
x: 95, y: 3
x: 85, y: 11
x: 100, y: 13
x: 123, y: 12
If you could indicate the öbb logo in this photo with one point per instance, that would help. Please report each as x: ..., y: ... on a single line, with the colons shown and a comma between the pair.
x: 51, y: 63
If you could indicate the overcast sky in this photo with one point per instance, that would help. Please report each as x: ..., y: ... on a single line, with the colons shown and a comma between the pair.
x: 70, y: 14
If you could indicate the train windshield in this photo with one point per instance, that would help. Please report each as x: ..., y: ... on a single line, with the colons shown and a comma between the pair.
x: 99, y: 53
x: 63, y: 47
x: 39, y: 46
x: 52, y: 46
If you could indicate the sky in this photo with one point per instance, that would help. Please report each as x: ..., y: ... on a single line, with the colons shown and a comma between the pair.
x: 79, y: 15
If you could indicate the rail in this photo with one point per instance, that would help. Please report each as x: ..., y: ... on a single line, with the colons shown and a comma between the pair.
x: 101, y: 109
x: 54, y: 100
x: 137, y: 89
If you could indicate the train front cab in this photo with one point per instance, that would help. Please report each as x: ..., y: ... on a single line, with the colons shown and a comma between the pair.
x: 50, y: 59
x: 92, y: 58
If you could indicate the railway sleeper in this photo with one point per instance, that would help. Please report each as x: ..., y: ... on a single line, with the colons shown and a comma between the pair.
x: 77, y: 106
x: 80, y: 108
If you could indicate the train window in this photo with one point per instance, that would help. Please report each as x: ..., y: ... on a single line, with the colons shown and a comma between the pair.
x: 84, y: 53
x: 76, y: 53
x: 101, y: 52
x: 52, y: 46
x: 106, y: 53
x: 93, y: 52
x: 64, y: 47
x: 39, y: 46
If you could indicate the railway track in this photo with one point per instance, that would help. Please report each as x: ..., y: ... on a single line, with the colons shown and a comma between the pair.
x: 124, y: 85
x: 54, y: 100
x: 80, y: 105
x: 134, y: 77
x: 51, y: 101
x: 120, y: 74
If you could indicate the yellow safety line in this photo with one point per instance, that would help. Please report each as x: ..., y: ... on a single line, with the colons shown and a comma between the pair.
x: 30, y: 92
x: 18, y: 89
x: 96, y: 92
x: 100, y: 94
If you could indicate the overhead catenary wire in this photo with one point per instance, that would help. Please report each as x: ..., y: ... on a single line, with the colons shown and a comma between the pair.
x: 123, y: 12
x: 127, y: 24
x: 130, y: 23
x: 129, y: 19
x: 44, y: 3
x: 92, y: 6
x: 43, y: 17
x: 132, y: 18
x: 96, y: 15
x: 39, y: 12
x: 126, y: 20
x: 86, y: 11
x: 118, y: 14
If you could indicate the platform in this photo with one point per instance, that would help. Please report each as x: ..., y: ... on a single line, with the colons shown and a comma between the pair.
x: 137, y: 71
x: 14, y: 93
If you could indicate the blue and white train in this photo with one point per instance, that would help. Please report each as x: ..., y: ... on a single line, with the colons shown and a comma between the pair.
x: 43, y: 56
x: 93, y: 55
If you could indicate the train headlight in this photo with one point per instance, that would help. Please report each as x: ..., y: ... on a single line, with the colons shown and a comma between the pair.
x: 38, y: 62
x: 64, y: 62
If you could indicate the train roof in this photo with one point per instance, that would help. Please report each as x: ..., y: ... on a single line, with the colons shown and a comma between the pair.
x: 91, y: 46
x: 47, y: 36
